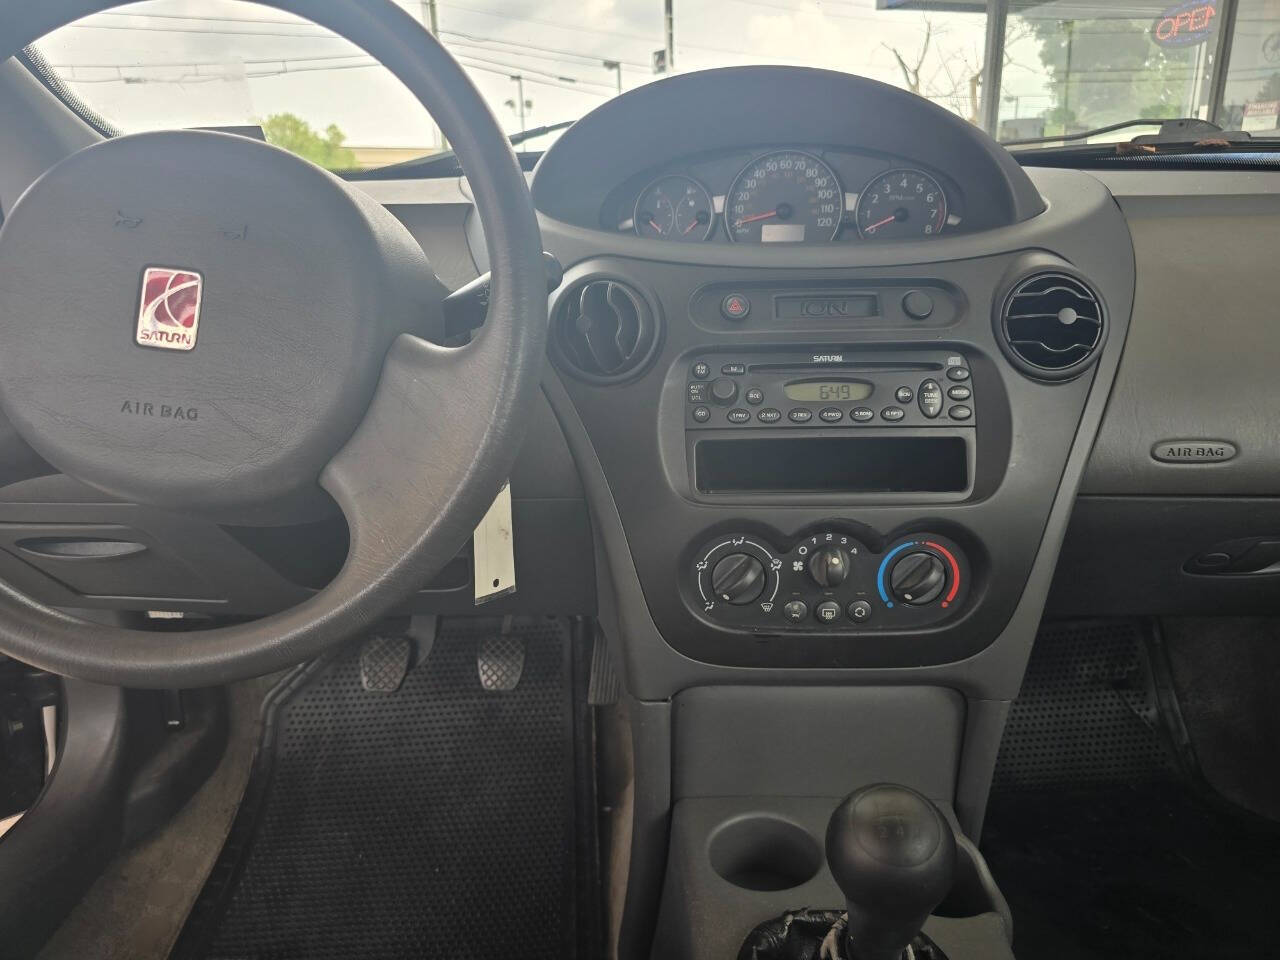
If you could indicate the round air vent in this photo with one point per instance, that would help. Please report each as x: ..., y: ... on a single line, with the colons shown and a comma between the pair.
x: 603, y: 332
x: 1051, y: 326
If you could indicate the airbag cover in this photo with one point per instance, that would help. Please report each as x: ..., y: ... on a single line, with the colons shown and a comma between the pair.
x: 302, y: 287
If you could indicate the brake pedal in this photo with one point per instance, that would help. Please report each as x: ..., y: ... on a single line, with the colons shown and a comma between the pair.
x: 384, y: 661
x: 500, y: 660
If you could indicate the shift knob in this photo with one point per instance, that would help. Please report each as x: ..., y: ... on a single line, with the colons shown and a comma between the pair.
x: 893, y: 854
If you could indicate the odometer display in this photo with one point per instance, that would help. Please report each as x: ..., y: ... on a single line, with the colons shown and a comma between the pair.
x: 785, y: 197
x: 828, y: 391
x: 901, y: 204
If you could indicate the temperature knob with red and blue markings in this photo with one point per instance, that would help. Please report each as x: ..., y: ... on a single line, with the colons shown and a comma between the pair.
x: 918, y: 573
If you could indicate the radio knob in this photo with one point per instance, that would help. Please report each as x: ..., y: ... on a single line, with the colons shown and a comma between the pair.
x: 724, y: 391
x: 738, y: 578
x: 829, y: 566
x: 918, y: 578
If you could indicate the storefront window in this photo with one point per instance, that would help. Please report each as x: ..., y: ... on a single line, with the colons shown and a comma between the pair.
x: 1076, y: 66
x: 1251, y: 94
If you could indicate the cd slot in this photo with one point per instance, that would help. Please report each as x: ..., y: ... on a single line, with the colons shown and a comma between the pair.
x: 854, y: 366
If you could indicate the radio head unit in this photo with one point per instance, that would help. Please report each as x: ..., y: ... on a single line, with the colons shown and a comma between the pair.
x: 790, y: 391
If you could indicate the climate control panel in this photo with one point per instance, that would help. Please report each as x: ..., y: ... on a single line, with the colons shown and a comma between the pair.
x: 828, y: 580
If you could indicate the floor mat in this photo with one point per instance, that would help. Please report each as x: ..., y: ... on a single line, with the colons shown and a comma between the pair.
x: 436, y: 821
x: 1103, y: 844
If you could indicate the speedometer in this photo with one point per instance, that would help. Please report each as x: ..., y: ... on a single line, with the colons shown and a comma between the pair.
x: 785, y: 197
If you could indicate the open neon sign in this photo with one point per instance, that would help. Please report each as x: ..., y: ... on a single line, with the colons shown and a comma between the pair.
x: 1184, y: 25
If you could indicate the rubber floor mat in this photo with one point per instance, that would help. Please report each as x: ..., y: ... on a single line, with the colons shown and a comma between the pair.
x: 1102, y: 845
x: 435, y: 821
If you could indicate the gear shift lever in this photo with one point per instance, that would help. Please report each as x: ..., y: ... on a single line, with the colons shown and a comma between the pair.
x: 893, y: 854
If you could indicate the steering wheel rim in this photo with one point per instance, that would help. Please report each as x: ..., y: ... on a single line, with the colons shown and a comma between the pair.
x: 435, y: 445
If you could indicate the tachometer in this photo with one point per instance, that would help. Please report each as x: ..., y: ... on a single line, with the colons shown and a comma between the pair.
x: 901, y: 204
x: 674, y: 208
x: 785, y: 197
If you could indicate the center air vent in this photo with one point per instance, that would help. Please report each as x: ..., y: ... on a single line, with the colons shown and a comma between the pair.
x: 1051, y: 326
x: 603, y: 332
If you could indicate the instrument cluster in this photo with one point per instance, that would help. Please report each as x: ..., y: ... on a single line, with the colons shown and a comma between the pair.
x: 788, y: 195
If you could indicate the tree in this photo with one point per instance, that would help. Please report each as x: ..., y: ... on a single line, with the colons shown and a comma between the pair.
x: 911, y: 70
x: 1109, y: 70
x: 294, y: 134
x: 955, y: 76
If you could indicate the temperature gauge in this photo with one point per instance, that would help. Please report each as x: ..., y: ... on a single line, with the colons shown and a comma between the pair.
x: 674, y: 208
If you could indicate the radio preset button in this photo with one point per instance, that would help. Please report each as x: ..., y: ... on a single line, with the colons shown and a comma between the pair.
x: 701, y: 414
x: 827, y: 611
x: 735, y: 307
x: 734, y: 369
x: 702, y: 370
x: 830, y: 414
x: 795, y: 610
x: 800, y: 415
x: 859, y: 611
x: 903, y: 395
x: 957, y: 373
x: 738, y: 415
x: 930, y: 398
x: 960, y: 412
x: 959, y: 392
x: 755, y: 396
x: 723, y: 391
x: 893, y: 413
x: 861, y: 414
x: 769, y: 415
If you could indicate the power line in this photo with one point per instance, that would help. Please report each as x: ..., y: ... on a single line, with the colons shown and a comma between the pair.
x: 205, y: 18
x: 205, y: 63
x: 815, y: 9
x: 221, y: 33
x: 284, y: 61
x: 529, y: 46
x: 455, y: 45
x: 548, y: 23
x: 561, y: 81
x: 572, y: 87
x: 327, y: 35
x: 542, y: 73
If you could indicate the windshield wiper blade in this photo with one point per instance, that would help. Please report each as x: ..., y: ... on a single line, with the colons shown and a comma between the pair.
x: 1180, y: 130
x: 534, y: 132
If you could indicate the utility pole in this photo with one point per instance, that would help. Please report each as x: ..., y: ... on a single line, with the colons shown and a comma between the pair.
x: 616, y: 67
x: 520, y: 102
x: 430, y: 21
x: 669, y: 25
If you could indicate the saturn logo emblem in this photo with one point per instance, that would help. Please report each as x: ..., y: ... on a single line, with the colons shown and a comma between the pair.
x: 169, y: 309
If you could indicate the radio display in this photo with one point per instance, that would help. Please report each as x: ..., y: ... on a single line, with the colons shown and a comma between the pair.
x: 828, y: 391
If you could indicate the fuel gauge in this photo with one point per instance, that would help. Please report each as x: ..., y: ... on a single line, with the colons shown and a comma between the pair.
x: 675, y: 208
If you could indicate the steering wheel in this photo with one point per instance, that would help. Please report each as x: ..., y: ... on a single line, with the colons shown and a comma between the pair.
x: 198, y: 321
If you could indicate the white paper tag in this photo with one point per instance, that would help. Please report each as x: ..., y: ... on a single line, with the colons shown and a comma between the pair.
x: 493, y: 550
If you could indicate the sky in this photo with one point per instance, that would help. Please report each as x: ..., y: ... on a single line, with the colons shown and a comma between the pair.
x: 172, y: 63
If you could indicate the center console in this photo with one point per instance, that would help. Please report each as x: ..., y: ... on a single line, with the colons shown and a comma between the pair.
x: 803, y: 488
x: 828, y: 481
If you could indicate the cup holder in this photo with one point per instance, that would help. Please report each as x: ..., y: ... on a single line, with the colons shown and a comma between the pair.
x: 760, y: 852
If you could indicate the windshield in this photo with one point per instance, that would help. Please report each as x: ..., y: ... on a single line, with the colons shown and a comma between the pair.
x: 1027, y: 70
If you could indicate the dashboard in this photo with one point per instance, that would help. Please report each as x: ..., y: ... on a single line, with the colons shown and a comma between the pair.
x: 776, y: 422
x: 792, y: 194
x: 836, y: 382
